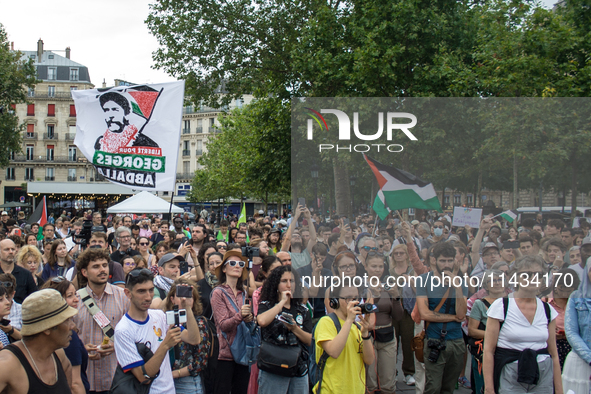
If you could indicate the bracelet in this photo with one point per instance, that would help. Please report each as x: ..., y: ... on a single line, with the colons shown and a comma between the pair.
x: 9, y: 333
x: 366, y: 338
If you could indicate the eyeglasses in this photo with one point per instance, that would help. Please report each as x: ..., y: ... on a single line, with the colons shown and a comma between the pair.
x: 6, y: 285
x: 144, y: 243
x: 232, y: 263
x: 399, y: 254
x: 124, y: 236
x: 368, y: 248
x: 135, y: 273
x: 130, y: 264
x: 350, y: 267
x: 58, y: 279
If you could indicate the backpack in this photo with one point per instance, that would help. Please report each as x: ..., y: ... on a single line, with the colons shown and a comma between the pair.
x: 506, y: 309
x: 246, y: 344
x: 316, y: 370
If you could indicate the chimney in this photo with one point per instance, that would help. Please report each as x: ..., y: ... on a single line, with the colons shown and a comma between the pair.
x: 104, y: 83
x: 39, y: 49
x: 67, y: 52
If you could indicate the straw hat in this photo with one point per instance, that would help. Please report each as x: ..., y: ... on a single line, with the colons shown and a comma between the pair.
x: 227, y: 255
x: 43, y: 310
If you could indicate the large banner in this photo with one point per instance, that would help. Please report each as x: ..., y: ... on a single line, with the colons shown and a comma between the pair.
x: 131, y: 133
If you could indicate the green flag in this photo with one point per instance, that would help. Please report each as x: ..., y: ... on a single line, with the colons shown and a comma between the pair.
x: 242, y: 218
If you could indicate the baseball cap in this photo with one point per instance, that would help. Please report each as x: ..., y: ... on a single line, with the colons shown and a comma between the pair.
x: 4, y: 213
x: 489, y: 245
x: 168, y: 257
x: 43, y: 310
x: 586, y: 241
x: 414, y: 222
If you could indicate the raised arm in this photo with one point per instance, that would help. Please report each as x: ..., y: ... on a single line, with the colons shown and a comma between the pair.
x: 286, y: 243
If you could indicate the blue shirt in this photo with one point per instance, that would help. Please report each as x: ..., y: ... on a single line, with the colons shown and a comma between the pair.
x: 435, y: 294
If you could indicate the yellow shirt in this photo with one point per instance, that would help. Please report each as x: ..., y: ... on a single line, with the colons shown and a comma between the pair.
x: 345, y: 374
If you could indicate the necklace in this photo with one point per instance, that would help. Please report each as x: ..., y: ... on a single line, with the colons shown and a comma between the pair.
x: 35, y: 364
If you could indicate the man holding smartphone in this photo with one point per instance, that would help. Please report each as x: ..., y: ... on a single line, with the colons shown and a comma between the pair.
x: 300, y: 257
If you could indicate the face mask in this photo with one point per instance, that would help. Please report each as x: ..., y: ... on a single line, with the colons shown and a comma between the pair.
x: 438, y: 232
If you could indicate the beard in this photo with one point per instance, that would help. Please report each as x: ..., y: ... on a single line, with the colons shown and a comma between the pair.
x: 298, y: 245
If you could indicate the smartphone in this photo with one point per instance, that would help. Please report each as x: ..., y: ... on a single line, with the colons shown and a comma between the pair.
x: 302, y: 201
x: 184, y: 291
x: 284, y: 320
x: 4, y: 322
x: 345, y: 221
x: 511, y: 245
x: 184, y: 240
x: 287, y: 316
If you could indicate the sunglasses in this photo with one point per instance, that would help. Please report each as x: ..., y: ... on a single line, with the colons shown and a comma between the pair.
x: 437, y: 226
x: 135, y: 273
x: 368, y: 248
x: 232, y: 263
x: 6, y: 285
x: 144, y: 243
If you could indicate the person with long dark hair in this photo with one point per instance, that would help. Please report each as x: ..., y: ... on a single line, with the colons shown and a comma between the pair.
x: 59, y: 261
x: 280, y: 296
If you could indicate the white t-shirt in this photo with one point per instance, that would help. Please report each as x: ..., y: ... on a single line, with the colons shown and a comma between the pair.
x: 152, y: 330
x: 517, y: 333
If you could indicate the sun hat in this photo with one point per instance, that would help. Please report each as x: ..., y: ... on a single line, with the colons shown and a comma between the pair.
x: 227, y: 255
x: 44, y: 309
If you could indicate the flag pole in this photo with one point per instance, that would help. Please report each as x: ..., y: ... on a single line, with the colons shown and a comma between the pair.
x: 170, y: 208
x: 375, y: 223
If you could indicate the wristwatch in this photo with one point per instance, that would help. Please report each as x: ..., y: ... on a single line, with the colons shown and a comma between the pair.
x: 366, y: 338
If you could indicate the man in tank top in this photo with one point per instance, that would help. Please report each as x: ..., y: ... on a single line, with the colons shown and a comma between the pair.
x: 37, y: 363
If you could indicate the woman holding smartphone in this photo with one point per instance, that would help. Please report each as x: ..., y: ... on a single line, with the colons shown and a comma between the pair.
x: 293, y: 327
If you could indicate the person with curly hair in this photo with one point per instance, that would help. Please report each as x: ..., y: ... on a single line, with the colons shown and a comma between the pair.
x: 280, y: 296
x: 30, y: 259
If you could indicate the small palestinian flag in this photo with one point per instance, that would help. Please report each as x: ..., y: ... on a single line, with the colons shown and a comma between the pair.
x: 508, y: 216
x: 40, y: 214
x: 400, y: 190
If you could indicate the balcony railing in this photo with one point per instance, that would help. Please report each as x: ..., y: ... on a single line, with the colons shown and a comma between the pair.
x: 30, y: 136
x: 29, y: 179
x: 70, y: 136
x: 53, y: 95
x: 49, y: 178
x: 184, y: 175
x: 50, y: 136
x: 72, y: 178
x: 10, y: 178
x: 43, y: 159
x: 186, y: 152
x: 214, y: 129
x: 199, y: 130
x: 186, y: 131
x: 204, y: 109
x: 199, y: 152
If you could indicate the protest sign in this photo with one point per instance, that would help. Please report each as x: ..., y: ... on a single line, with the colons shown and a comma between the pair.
x: 467, y: 216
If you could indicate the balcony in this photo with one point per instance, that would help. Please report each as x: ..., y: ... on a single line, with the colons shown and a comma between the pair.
x: 186, y: 152
x: 70, y: 136
x: 50, y: 136
x: 186, y: 131
x: 55, y: 159
x: 184, y: 176
x: 50, y: 178
x: 30, y: 136
x: 72, y: 178
x: 53, y: 95
x: 199, y: 130
x: 199, y: 152
x: 214, y: 129
x: 29, y: 179
x: 10, y: 178
x: 191, y: 110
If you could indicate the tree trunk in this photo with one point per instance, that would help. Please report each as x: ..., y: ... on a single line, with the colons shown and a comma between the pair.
x: 478, y: 189
x: 342, y: 188
x: 574, y: 190
x: 515, y: 188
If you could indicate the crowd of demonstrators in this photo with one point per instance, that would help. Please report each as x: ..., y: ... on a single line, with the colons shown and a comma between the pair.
x: 126, y: 282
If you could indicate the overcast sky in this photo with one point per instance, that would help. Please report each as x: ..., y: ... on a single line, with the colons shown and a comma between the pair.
x: 107, y: 36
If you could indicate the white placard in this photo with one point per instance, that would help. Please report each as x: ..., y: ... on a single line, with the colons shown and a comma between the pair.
x: 467, y: 216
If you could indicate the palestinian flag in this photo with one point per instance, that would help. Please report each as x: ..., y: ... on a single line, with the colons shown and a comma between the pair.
x: 40, y: 214
x: 508, y: 216
x: 400, y: 190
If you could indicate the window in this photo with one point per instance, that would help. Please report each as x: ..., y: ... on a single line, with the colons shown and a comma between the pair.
x: 484, y: 198
x: 187, y: 127
x: 50, y: 109
x: 10, y: 174
x: 30, y: 152
x: 469, y: 199
x: 30, y: 109
x: 11, y: 155
x: 457, y: 199
x: 71, y: 175
x: 49, y: 174
x: 72, y: 110
x: 30, y: 130
x: 51, y: 91
x: 72, y: 153
x: 31, y: 92
x: 186, y: 167
x: 50, y: 56
x: 50, y: 151
x: 239, y: 102
x: 199, y: 126
x: 211, y: 122
x: 446, y: 200
x: 73, y: 88
x: 29, y: 175
x: 165, y: 193
x: 186, y: 148
x: 51, y: 73
x: 73, y: 74
x: 50, y: 131
x: 199, y: 147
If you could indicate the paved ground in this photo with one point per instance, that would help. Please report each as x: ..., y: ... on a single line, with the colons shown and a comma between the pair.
x: 401, y: 387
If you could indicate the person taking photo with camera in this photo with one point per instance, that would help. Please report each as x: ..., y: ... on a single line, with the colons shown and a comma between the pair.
x: 442, y: 304
x: 349, y: 349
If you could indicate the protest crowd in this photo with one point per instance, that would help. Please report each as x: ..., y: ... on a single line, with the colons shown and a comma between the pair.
x: 294, y: 304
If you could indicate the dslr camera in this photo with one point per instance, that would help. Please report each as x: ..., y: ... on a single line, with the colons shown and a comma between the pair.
x: 176, y: 316
x: 250, y: 252
x: 368, y: 308
x: 436, y: 347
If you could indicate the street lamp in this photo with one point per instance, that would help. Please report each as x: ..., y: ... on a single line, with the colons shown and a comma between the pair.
x: 314, y: 174
x: 352, y: 179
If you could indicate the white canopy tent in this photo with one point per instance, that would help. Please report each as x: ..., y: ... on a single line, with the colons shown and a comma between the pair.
x: 144, y: 202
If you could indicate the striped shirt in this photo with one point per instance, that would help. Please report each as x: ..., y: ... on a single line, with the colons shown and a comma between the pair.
x: 114, y: 303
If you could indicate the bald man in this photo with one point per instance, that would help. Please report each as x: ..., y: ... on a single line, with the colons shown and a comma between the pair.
x: 284, y: 258
x: 25, y: 284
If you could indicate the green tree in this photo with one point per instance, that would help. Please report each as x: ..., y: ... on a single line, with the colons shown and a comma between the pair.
x: 16, y: 75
